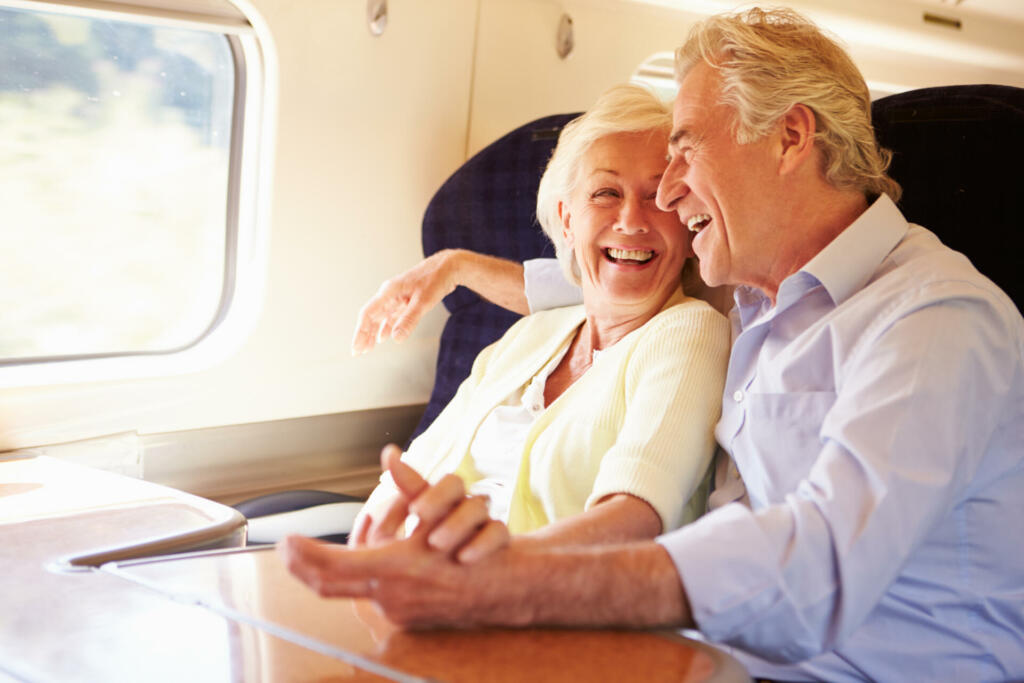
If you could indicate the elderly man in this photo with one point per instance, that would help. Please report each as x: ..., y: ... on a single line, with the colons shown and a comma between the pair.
x: 874, y: 407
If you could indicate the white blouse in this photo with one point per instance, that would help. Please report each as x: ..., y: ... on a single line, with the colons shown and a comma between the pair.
x: 498, y: 445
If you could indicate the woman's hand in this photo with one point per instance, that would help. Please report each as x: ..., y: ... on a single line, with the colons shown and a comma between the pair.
x: 452, y: 522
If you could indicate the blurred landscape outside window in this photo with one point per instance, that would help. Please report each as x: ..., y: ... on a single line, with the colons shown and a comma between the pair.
x: 114, y: 167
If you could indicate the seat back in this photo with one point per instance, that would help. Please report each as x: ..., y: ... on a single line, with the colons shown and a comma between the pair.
x: 487, y: 206
x: 957, y: 152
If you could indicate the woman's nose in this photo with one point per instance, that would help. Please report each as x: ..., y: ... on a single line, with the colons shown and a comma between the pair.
x: 632, y: 218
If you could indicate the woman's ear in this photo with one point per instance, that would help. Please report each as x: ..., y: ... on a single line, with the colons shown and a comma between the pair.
x: 563, y: 215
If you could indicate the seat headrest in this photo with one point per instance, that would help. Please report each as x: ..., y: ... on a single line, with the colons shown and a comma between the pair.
x: 957, y: 152
x: 488, y: 205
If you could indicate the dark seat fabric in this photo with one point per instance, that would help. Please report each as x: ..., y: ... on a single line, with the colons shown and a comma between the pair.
x: 488, y: 206
x: 957, y: 152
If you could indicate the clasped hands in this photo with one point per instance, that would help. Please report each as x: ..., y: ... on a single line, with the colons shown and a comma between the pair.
x: 418, y: 579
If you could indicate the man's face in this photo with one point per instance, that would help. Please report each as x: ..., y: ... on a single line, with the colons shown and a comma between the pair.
x: 721, y: 190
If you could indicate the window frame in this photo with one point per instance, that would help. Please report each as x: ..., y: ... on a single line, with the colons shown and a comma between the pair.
x: 247, y: 211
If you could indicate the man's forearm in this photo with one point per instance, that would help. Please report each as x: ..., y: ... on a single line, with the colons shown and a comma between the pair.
x: 633, y: 585
x: 496, y: 279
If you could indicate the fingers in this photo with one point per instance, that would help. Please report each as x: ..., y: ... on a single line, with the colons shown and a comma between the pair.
x: 459, y: 525
x: 408, y: 480
x: 449, y: 519
x: 492, y: 537
x: 375, y: 318
x: 405, y: 319
x: 435, y: 502
x: 388, y: 523
x: 400, y: 303
x: 329, y: 569
x: 357, y: 538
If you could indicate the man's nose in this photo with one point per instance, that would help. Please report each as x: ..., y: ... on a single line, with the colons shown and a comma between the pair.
x: 672, y: 187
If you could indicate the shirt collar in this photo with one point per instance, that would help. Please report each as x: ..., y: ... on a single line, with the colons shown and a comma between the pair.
x: 846, y: 264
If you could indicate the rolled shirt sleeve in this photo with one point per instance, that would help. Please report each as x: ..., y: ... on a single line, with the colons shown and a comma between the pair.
x: 546, y: 286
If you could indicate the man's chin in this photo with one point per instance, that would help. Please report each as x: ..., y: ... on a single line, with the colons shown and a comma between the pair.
x: 709, y: 274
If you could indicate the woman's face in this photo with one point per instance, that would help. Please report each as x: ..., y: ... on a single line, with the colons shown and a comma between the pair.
x: 630, y: 253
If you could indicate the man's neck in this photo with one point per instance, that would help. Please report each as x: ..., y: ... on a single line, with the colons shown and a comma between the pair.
x: 812, y: 225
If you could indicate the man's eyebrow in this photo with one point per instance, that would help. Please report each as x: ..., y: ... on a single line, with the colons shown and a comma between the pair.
x: 677, y: 135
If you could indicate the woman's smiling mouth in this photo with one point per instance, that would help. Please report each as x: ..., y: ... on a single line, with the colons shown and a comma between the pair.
x: 628, y: 257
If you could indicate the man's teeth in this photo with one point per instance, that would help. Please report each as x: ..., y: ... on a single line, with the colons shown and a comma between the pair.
x: 696, y: 223
x: 640, y: 255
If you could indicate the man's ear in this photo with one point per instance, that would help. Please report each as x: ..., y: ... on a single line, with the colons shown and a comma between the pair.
x: 563, y: 215
x: 797, y: 129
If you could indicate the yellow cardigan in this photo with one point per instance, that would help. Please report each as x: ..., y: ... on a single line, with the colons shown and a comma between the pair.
x: 639, y: 421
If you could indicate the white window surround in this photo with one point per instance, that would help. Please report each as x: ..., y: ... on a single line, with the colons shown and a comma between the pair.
x: 249, y: 183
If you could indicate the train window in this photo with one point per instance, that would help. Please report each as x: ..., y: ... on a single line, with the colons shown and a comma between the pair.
x: 120, y: 201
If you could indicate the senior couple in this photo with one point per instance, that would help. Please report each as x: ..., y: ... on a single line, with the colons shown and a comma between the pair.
x: 867, y: 512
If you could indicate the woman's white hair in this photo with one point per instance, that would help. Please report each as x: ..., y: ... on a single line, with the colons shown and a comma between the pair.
x: 624, y: 108
x: 770, y: 60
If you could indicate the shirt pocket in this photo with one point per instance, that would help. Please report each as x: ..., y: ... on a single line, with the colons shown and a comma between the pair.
x: 784, y: 431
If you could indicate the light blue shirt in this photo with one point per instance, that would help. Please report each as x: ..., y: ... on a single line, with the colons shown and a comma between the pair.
x: 876, y: 415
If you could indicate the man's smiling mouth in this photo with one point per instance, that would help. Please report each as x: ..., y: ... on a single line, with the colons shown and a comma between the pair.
x: 628, y: 256
x: 698, y: 222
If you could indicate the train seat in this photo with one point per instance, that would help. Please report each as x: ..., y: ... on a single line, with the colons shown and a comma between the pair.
x: 955, y: 152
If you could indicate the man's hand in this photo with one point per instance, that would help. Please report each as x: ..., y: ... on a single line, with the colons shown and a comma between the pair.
x: 403, y: 300
x: 416, y: 586
x: 450, y: 521
x: 396, y: 308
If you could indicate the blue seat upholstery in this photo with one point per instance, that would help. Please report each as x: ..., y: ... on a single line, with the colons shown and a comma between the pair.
x: 488, y: 206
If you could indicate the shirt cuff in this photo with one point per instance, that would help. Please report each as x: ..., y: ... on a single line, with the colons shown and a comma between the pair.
x: 546, y: 286
x: 726, y: 569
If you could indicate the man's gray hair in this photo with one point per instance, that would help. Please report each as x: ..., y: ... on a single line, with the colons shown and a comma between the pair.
x: 771, y: 60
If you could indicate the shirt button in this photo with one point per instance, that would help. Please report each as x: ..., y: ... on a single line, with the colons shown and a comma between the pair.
x: 737, y: 396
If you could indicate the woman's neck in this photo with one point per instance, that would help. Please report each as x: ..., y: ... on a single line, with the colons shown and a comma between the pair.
x: 597, y: 333
x: 603, y: 329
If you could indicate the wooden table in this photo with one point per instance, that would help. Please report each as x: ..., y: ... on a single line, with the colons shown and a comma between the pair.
x: 236, y: 614
x: 252, y: 587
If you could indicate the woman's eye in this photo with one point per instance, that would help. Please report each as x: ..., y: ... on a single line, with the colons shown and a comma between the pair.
x: 605, y: 193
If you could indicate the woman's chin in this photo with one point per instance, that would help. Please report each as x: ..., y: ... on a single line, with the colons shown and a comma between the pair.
x: 627, y: 298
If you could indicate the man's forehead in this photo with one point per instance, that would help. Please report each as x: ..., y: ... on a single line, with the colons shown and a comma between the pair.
x: 697, y: 96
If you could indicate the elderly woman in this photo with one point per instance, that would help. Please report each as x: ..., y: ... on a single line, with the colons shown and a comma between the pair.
x: 570, y: 423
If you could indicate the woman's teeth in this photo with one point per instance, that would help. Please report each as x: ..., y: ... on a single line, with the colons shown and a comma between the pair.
x: 634, y: 255
x: 698, y: 222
